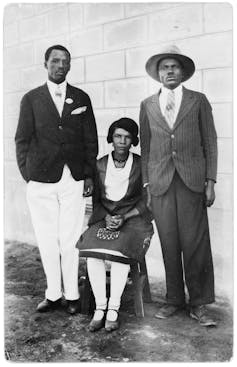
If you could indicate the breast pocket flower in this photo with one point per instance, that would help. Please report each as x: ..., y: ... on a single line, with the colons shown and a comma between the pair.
x: 69, y: 100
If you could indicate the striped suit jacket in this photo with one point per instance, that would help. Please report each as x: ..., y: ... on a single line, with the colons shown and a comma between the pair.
x: 190, y: 147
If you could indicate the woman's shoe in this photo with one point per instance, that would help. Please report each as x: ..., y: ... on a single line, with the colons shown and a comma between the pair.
x: 97, y: 324
x: 111, y: 325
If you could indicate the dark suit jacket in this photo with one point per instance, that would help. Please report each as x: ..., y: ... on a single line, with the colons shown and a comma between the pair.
x: 190, y: 147
x: 45, y: 141
x: 132, y: 199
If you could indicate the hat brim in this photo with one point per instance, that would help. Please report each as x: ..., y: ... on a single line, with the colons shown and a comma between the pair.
x: 185, y: 61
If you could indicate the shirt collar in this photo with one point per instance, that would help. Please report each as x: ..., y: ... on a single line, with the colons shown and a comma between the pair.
x: 178, y: 89
x: 53, y: 86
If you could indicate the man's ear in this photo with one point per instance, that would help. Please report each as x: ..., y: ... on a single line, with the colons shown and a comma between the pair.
x: 45, y: 65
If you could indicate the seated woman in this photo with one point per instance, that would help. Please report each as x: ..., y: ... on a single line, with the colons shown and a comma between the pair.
x: 120, y: 226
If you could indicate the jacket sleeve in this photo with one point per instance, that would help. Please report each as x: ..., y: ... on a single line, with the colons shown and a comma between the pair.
x: 144, y: 142
x: 141, y: 206
x: 209, y: 138
x: 24, y: 134
x: 91, y: 141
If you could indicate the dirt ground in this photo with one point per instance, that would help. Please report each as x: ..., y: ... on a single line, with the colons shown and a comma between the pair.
x: 59, y: 337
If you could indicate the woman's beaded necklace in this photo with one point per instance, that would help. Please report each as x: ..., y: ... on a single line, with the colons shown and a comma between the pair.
x: 119, y: 163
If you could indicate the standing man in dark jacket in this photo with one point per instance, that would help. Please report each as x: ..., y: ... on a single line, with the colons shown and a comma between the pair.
x: 56, y: 148
x: 179, y: 164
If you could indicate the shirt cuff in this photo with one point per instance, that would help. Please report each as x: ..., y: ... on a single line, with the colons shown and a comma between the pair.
x: 210, y: 179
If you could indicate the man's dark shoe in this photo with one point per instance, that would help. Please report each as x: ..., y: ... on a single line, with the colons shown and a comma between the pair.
x: 200, y: 313
x: 73, y: 306
x: 47, y: 305
x: 167, y: 311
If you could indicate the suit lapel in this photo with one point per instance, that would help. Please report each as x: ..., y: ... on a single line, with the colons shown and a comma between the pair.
x: 188, y: 100
x: 155, y: 111
x: 45, y: 94
x: 68, y: 107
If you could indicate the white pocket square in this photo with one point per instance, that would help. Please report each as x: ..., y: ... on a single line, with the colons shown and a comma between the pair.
x: 79, y: 110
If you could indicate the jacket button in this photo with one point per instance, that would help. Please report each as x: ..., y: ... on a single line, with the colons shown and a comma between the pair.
x: 174, y: 153
x: 60, y: 127
x: 172, y: 136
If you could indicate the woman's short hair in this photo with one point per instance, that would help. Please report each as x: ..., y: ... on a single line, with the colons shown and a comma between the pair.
x: 126, y: 124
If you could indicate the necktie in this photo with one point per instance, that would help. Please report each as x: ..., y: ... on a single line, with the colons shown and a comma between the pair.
x: 59, y: 100
x: 170, y: 108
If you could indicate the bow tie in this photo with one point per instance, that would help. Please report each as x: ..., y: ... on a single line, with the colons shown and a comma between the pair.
x: 58, y: 92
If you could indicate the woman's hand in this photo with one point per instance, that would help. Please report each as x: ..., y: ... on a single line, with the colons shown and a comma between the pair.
x: 118, y: 220
x: 114, y: 222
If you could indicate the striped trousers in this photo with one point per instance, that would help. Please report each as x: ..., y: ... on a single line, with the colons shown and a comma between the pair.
x: 181, y: 219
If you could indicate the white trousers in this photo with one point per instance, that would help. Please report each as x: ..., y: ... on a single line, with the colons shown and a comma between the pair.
x: 57, y: 213
x: 118, y: 277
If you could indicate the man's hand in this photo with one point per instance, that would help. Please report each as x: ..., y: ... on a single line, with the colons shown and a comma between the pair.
x: 88, y: 187
x: 210, y: 193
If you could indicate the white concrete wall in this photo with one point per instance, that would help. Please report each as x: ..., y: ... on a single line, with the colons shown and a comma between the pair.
x: 110, y: 43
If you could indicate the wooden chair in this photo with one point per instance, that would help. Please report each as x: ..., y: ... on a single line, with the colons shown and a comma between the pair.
x: 140, y: 282
x: 138, y: 275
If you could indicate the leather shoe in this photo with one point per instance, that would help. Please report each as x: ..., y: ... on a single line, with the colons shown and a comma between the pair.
x: 111, y: 325
x: 200, y: 313
x: 167, y: 311
x: 73, y: 306
x: 97, y: 324
x: 47, y: 305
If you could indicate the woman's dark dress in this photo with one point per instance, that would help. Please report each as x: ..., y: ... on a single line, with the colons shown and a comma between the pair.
x: 134, y: 231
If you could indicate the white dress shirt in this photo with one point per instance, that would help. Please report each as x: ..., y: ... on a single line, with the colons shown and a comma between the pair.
x: 52, y: 90
x: 178, y: 94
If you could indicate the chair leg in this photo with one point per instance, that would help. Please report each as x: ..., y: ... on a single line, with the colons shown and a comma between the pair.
x: 86, y: 299
x: 141, y: 288
x: 146, y: 289
x: 138, y: 284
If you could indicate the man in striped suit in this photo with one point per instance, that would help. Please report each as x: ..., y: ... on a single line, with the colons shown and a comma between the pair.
x: 179, y: 165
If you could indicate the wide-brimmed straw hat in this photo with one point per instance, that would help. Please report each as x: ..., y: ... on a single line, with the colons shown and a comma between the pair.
x: 174, y: 53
